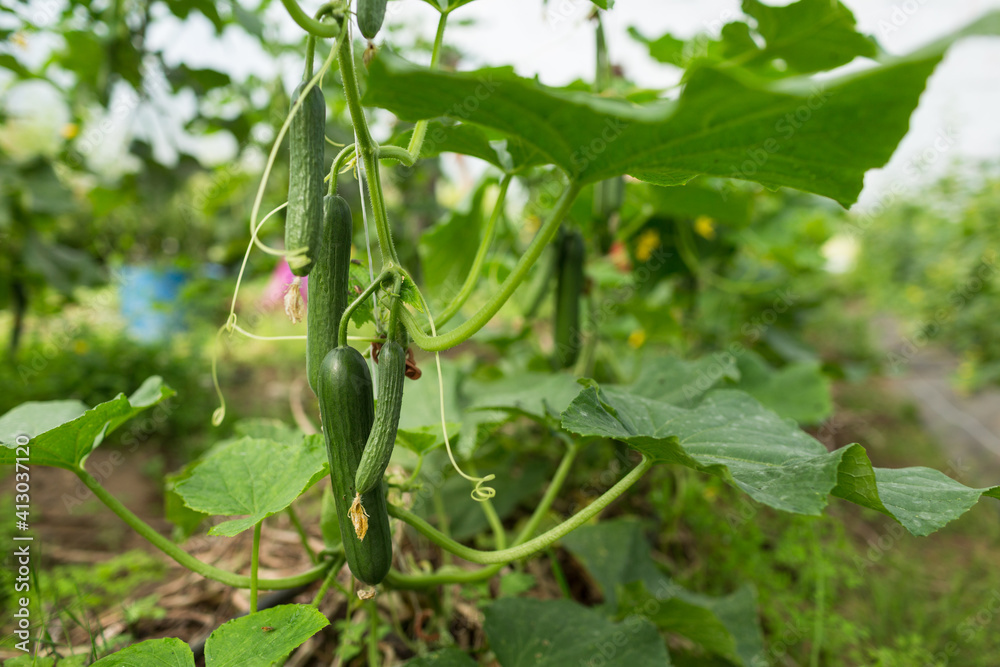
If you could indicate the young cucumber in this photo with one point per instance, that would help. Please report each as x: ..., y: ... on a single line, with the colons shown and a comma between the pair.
x: 370, y: 16
x: 345, y: 402
x: 569, y: 287
x: 391, y: 370
x: 328, y: 286
x: 306, y: 139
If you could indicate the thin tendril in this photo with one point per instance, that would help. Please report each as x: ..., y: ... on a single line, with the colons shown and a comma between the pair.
x: 246, y: 258
x: 246, y: 333
x: 480, y: 492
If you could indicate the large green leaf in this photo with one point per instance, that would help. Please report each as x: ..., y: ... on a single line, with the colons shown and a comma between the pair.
x: 263, y: 638
x: 510, y: 156
x: 798, y: 391
x: 252, y: 476
x: 556, y: 633
x: 61, y: 436
x: 165, y: 652
x: 449, y: 246
x: 816, y: 136
x: 618, y: 557
x: 731, y: 435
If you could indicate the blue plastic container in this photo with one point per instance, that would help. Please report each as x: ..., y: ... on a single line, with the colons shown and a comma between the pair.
x: 150, y: 302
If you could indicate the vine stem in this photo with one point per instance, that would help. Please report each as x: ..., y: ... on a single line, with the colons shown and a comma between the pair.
x: 346, y: 317
x: 368, y: 149
x: 420, y: 128
x: 531, y: 546
x: 254, y: 565
x: 331, y: 577
x: 477, y: 263
x: 399, y: 580
x: 182, y: 557
x: 309, y: 24
x: 462, y: 332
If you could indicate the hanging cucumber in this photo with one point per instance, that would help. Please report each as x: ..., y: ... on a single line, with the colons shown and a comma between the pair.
x: 371, y: 13
x: 329, y: 284
x: 346, y: 407
x: 378, y: 450
x: 569, y: 287
x: 306, y: 139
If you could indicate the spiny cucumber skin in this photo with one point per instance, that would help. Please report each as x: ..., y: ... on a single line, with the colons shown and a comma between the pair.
x: 307, y: 146
x: 371, y: 13
x: 378, y: 451
x: 569, y: 287
x: 347, y: 410
x: 329, y: 290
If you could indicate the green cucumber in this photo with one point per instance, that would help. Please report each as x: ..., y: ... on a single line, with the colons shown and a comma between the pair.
x: 329, y: 289
x: 569, y: 287
x: 378, y: 451
x: 346, y: 407
x: 307, y: 145
x: 371, y: 13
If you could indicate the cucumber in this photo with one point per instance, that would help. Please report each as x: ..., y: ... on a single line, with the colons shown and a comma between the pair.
x: 378, y: 451
x: 569, y: 287
x: 370, y: 16
x: 329, y: 289
x: 346, y: 407
x: 306, y: 139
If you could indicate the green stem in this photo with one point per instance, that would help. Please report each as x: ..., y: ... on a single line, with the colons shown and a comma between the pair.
x: 254, y: 565
x: 346, y: 317
x: 182, y: 557
x: 465, y: 330
x: 531, y: 546
x: 420, y: 129
x: 372, y: 634
x: 331, y: 576
x: 499, y: 536
x: 369, y: 150
x: 303, y: 535
x: 392, y: 329
x: 448, y: 575
x: 309, y: 24
x: 345, y: 154
x: 477, y: 263
x: 397, y: 153
x: 310, y: 56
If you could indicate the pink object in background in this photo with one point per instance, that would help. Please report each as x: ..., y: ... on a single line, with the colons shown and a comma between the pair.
x: 281, y: 278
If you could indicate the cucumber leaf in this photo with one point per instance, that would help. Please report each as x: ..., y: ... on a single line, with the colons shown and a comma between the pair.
x: 730, y: 435
x: 253, y: 477
x: 63, y: 435
x: 263, y: 638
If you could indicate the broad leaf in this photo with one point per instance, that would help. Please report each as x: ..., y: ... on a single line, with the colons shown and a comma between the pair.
x: 254, y: 477
x: 682, y: 382
x: 448, y: 247
x: 449, y: 657
x: 263, y: 638
x: 556, y: 633
x: 166, y: 652
x: 618, y: 557
x: 798, y: 391
x: 723, y: 124
x: 60, y: 439
x: 729, y: 434
x: 537, y: 395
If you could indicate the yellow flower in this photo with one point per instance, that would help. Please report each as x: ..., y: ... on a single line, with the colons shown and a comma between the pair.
x: 70, y: 130
x: 19, y: 39
x: 80, y: 346
x: 637, y: 338
x: 649, y: 241
x: 705, y: 227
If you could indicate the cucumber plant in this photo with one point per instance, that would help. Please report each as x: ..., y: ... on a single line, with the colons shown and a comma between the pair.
x: 738, y: 117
